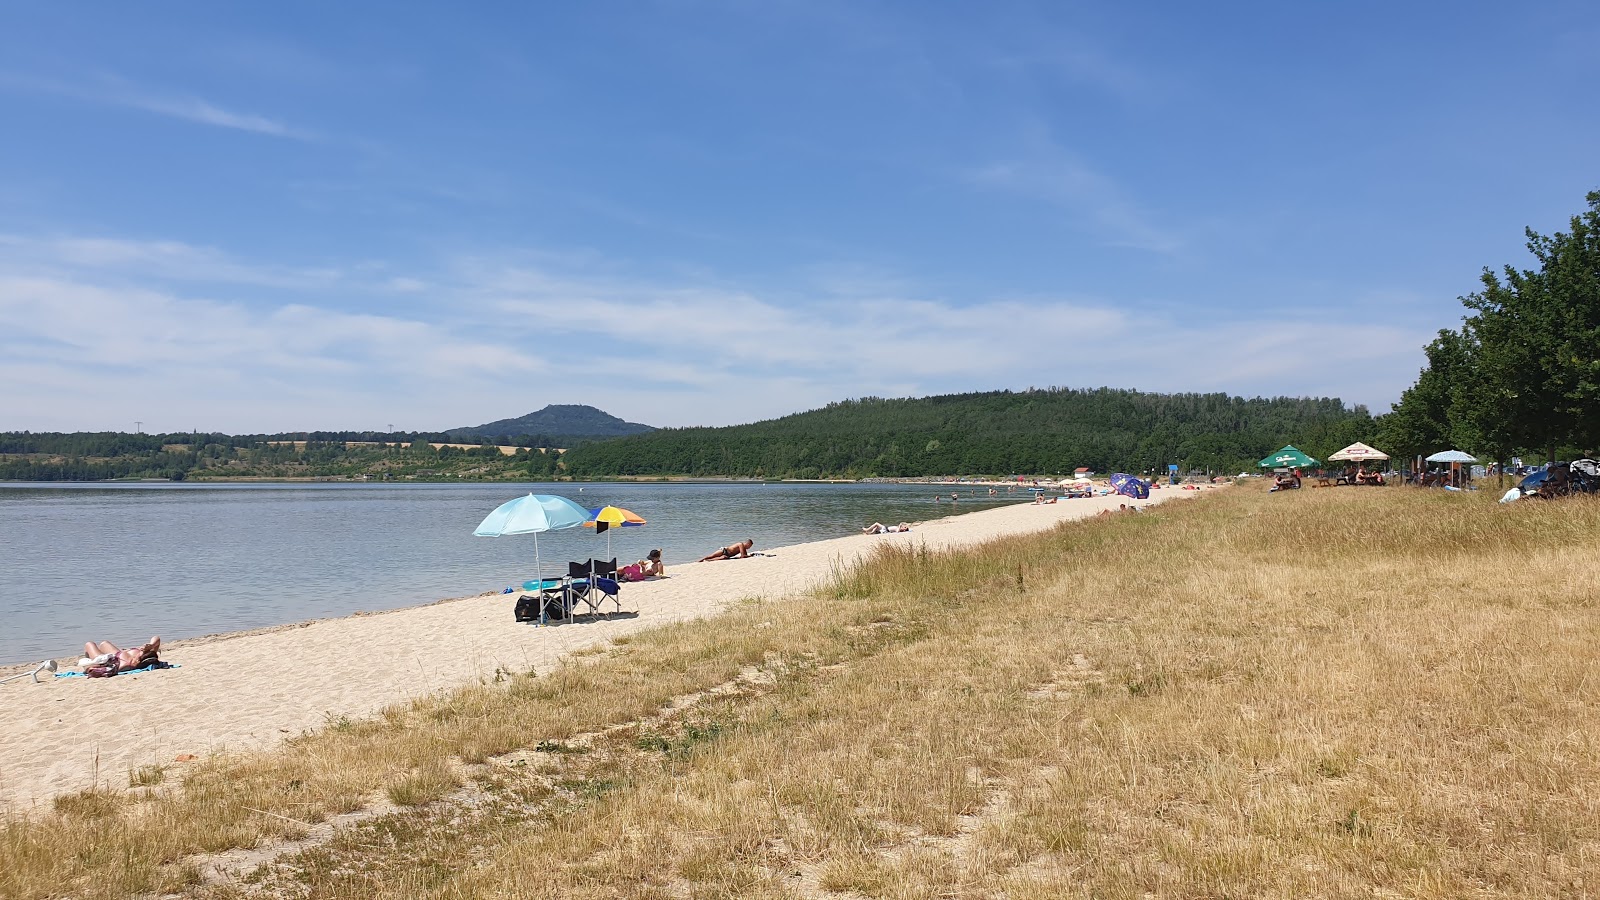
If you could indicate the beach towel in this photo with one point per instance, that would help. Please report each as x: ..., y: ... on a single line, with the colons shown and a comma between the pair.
x: 149, y: 668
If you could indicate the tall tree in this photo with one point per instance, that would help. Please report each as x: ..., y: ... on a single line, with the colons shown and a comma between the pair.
x: 1538, y: 338
x: 1429, y: 416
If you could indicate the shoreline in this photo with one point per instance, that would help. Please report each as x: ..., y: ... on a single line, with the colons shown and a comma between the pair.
x: 250, y: 690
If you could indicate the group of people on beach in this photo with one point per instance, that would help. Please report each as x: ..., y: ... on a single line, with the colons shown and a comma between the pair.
x: 1121, y: 508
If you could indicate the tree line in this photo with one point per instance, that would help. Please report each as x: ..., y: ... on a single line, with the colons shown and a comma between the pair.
x: 1036, y: 431
x: 1521, y: 376
x: 101, y: 456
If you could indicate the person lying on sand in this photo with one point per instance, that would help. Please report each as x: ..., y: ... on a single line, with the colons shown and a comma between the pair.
x: 732, y: 551
x: 107, y: 657
x: 880, y: 528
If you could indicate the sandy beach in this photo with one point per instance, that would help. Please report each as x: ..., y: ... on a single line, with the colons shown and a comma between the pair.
x: 249, y: 691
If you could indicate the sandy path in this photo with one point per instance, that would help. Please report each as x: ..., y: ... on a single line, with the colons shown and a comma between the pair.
x: 252, y: 690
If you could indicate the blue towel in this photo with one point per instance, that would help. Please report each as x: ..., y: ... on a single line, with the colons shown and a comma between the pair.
x: 150, y: 668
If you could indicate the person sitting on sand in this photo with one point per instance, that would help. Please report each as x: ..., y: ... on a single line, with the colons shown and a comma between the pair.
x: 740, y: 550
x: 111, y: 659
x: 651, y: 565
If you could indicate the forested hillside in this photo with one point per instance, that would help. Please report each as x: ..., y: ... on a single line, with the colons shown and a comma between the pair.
x: 998, y: 433
x: 101, y: 456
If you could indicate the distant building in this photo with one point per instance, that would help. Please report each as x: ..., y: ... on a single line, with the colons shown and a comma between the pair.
x: 1082, y: 473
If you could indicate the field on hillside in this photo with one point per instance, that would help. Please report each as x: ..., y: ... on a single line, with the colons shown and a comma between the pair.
x: 1330, y: 693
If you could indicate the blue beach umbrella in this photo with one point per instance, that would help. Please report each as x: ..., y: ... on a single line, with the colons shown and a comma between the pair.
x: 531, y: 515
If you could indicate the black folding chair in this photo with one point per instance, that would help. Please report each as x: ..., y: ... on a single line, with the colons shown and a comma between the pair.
x: 604, y: 585
x: 584, y: 580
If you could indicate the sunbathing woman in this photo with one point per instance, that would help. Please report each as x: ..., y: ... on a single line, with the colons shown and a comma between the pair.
x: 105, y: 653
x: 732, y: 551
x: 651, y: 565
x: 880, y: 528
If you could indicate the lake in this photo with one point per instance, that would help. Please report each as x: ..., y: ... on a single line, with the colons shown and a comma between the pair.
x: 122, y: 562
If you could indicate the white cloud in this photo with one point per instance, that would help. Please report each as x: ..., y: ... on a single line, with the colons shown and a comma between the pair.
x: 104, y: 329
x: 111, y: 90
x: 194, y: 109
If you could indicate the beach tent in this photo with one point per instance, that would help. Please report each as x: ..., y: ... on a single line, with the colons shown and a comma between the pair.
x: 1357, y: 452
x: 1289, y: 456
x: 1129, y: 486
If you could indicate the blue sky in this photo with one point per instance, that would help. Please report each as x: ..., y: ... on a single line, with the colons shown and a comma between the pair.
x: 291, y: 216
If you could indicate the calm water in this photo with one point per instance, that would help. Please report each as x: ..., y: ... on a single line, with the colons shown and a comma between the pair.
x: 122, y: 562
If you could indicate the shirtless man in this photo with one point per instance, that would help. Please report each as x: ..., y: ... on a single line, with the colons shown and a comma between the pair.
x: 732, y: 551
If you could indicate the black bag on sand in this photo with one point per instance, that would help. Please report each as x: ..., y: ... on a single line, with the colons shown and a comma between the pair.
x: 527, y: 608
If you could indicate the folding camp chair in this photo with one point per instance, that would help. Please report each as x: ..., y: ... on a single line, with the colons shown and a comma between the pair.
x: 580, y: 586
x: 604, y: 584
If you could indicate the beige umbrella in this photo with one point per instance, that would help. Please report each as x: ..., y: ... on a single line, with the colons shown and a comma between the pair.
x: 1358, y: 452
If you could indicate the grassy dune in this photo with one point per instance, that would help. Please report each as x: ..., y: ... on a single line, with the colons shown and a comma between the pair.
x: 1329, y: 693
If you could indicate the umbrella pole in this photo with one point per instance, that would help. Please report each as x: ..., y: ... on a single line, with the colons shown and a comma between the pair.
x: 538, y: 578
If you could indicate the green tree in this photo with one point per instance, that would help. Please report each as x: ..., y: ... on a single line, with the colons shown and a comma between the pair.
x: 1429, y: 416
x: 1538, y: 334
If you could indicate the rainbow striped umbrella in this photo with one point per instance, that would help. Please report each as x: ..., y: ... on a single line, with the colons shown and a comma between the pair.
x: 608, y: 517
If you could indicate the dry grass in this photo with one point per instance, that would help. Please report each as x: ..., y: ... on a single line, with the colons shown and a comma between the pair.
x: 1326, y: 693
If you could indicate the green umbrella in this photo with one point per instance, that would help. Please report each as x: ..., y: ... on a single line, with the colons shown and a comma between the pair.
x: 1288, y: 457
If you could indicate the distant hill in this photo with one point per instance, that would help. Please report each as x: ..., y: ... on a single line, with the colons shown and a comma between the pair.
x: 556, y: 420
x: 996, y: 433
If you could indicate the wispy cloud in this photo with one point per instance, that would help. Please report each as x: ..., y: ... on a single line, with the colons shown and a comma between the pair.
x: 130, y: 259
x: 1058, y: 178
x: 1075, y: 59
x: 111, y: 90
x: 195, y: 109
